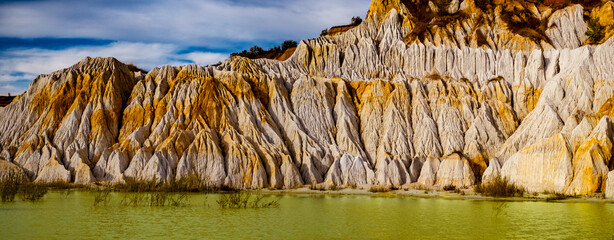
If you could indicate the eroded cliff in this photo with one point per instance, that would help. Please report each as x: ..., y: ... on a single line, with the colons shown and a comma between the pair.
x: 413, y: 95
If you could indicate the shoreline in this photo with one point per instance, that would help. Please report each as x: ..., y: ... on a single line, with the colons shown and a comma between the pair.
x: 467, y: 194
x: 405, y: 192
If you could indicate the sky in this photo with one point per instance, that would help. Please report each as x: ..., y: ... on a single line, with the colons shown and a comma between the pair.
x: 40, y: 37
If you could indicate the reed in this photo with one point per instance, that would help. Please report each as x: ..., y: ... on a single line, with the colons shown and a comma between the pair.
x: 239, y: 200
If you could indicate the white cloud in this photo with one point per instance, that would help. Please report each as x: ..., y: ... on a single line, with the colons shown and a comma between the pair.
x: 153, y: 33
x: 13, y: 90
x: 205, y: 58
x: 19, y: 66
x: 213, y: 23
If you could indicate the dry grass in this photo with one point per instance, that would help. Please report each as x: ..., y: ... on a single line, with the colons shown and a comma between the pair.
x: 15, y: 184
x: 449, y: 188
x: 318, y: 187
x: 595, y: 32
x: 379, y: 189
x: 102, y: 197
x: 190, y: 183
x: 499, y: 187
x: 238, y: 200
x: 9, y: 186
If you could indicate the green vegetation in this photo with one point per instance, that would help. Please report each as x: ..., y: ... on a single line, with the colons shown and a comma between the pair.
x: 499, y: 187
x: 258, y: 52
x: 356, y: 20
x: 238, y: 200
x: 594, y: 32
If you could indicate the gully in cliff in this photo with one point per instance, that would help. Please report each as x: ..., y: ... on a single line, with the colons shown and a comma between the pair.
x: 462, y: 99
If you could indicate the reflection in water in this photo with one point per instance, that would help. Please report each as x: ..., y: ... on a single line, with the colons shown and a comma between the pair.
x: 498, y: 208
x: 72, y: 215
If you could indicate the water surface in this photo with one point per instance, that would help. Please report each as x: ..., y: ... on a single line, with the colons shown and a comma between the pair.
x: 73, y: 216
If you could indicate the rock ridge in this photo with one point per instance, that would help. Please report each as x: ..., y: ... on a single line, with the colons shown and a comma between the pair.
x: 380, y: 104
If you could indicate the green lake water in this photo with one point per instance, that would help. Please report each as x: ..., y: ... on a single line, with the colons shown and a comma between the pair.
x: 73, y: 216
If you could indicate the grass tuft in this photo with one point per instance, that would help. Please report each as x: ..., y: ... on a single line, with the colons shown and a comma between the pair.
x: 238, y: 200
x: 9, y: 186
x: 499, y: 187
x: 15, y: 184
x: 376, y: 189
x: 594, y: 32
x: 102, y: 197
x: 32, y: 192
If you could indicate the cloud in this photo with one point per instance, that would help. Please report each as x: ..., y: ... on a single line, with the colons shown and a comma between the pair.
x: 205, y: 58
x: 212, y: 23
x: 19, y: 66
x: 150, y: 33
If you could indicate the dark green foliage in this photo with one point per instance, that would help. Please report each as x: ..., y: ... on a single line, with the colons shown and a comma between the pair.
x: 324, y: 32
x: 499, y: 187
x: 356, y: 20
x: 258, y: 52
x: 594, y: 32
x: 288, y: 44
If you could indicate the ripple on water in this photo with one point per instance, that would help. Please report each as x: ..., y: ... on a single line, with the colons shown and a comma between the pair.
x: 306, y: 217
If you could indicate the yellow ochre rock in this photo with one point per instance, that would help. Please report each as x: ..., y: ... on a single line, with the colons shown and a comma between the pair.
x: 419, y: 92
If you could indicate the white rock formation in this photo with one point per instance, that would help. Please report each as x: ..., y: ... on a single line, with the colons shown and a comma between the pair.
x: 393, y: 101
x: 609, y: 189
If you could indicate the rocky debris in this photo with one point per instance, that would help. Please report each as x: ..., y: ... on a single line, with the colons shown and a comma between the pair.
x: 393, y: 101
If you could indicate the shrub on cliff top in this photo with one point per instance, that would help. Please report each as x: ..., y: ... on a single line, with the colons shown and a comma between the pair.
x: 594, y: 31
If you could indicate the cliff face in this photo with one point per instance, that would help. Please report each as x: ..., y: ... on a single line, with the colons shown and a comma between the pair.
x: 457, y: 99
